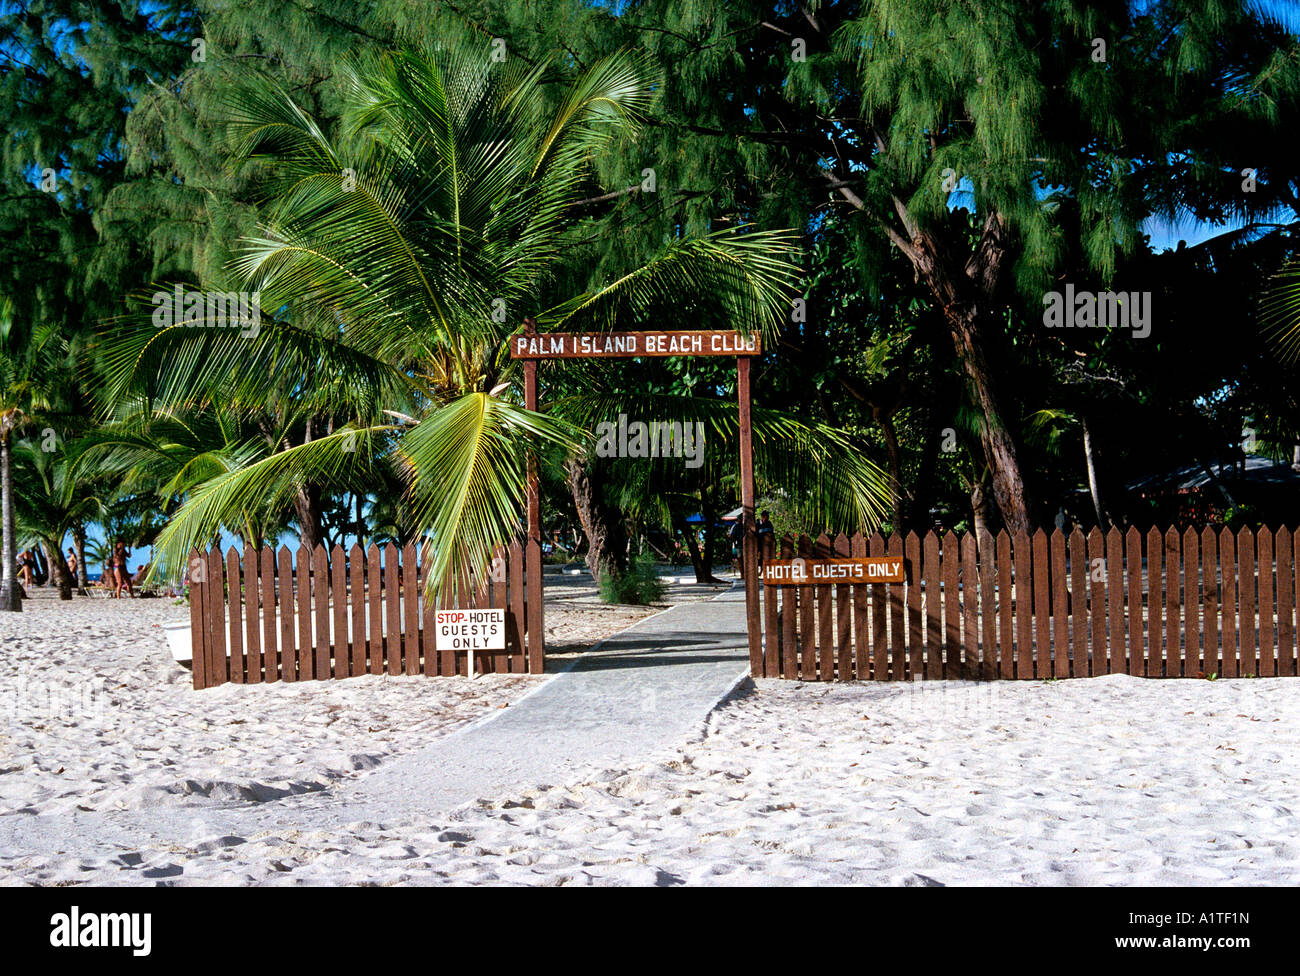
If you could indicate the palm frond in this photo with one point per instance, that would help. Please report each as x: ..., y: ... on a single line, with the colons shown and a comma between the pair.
x: 229, y: 499
x: 828, y: 478
x: 467, y: 469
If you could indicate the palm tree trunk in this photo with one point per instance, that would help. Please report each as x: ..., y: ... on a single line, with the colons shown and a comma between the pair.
x: 306, y: 505
x: 79, y: 542
x: 9, y: 596
x: 59, y: 574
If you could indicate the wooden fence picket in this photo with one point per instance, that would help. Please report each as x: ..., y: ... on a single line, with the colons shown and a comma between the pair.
x: 284, y: 597
x: 771, y: 616
x: 1115, y: 601
x: 1042, y: 666
x: 217, y: 662
x: 1060, y: 609
x: 1023, y: 594
x: 1267, y: 635
x: 896, y: 595
x: 988, y: 608
x: 270, y: 653
x: 868, y: 629
x: 951, y: 563
x: 970, y: 598
x: 252, y: 622
x: 1209, y: 598
x: 1155, y: 604
x: 195, y: 576
x: 1191, y: 604
x: 915, y: 621
x: 1228, y: 604
x: 1286, y: 655
x: 1006, y: 632
x: 1247, y: 634
x: 825, y: 616
x: 234, y: 593
x: 1133, y: 620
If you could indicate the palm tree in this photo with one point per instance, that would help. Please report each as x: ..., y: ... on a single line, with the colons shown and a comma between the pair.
x: 30, y: 360
x: 394, y: 255
x: 50, y: 500
x: 164, y: 453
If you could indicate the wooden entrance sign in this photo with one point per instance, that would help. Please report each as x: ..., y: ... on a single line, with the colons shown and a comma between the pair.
x: 631, y: 345
x: 818, y: 572
x: 531, y: 346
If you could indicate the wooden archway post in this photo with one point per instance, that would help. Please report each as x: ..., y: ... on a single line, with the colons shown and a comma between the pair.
x: 749, y: 544
x: 534, y: 626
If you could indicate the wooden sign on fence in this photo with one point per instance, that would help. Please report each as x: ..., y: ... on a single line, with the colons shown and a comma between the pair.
x: 816, y: 572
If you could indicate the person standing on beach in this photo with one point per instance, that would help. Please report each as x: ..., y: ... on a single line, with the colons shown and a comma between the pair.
x: 72, y: 566
x: 765, y: 532
x: 26, y: 567
x: 121, y: 577
x: 737, y: 539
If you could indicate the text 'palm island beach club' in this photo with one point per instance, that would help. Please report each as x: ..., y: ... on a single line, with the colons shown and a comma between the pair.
x: 596, y: 345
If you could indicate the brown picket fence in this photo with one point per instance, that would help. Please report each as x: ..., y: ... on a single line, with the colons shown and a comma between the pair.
x: 1154, y: 604
x: 279, y: 617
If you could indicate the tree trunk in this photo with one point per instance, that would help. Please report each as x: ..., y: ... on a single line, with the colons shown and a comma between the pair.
x: 606, y: 539
x: 710, y: 512
x: 9, y: 591
x: 1094, y: 483
x: 60, y: 575
x: 964, y: 293
x: 699, y: 559
x: 306, y: 506
x: 1217, y: 483
x: 1000, y: 452
x: 79, y: 544
x: 886, y: 422
x: 693, y: 547
x: 979, y: 508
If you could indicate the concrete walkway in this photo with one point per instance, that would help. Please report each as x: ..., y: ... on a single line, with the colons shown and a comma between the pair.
x: 646, y: 688
x: 643, y: 689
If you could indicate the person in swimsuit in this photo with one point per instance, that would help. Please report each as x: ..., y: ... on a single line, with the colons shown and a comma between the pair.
x: 121, y: 577
x: 26, y: 565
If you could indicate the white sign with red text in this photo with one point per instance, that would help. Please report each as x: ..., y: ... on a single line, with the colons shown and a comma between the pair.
x: 470, y: 631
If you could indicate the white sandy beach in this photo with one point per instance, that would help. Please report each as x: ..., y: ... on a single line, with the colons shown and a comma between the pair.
x: 1112, y: 780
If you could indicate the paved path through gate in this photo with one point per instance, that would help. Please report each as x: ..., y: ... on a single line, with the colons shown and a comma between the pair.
x: 645, y: 688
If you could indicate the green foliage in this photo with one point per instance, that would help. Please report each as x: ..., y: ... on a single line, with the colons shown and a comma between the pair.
x: 1240, y: 517
x: 638, y: 585
x: 390, y: 245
